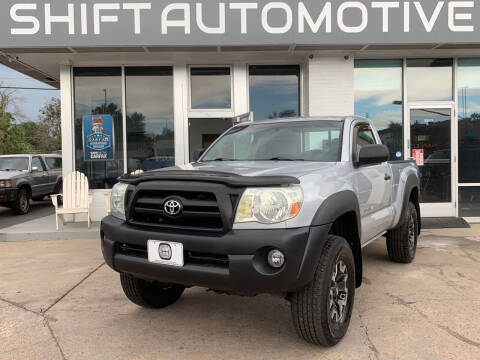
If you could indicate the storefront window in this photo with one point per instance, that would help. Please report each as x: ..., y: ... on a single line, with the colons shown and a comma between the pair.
x: 150, y: 129
x: 468, y: 120
x: 274, y: 91
x: 379, y: 97
x: 98, y: 100
x: 429, y: 79
x: 469, y: 201
x: 211, y: 88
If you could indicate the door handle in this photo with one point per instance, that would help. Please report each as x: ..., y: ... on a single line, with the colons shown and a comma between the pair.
x: 387, y: 177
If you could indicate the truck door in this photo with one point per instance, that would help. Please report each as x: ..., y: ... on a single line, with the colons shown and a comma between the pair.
x: 40, y: 177
x: 54, y: 164
x: 374, y: 187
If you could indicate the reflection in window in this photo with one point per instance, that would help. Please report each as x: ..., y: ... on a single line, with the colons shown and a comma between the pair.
x: 469, y: 201
x: 274, y: 91
x: 468, y: 120
x: 150, y: 130
x: 429, y: 79
x: 98, y: 91
x: 379, y: 97
x: 211, y: 88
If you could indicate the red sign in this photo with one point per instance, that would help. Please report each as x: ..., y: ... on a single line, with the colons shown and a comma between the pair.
x: 417, y: 154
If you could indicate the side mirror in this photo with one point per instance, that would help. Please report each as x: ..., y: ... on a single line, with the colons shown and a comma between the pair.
x: 373, y: 154
x: 197, y: 154
x: 34, y: 169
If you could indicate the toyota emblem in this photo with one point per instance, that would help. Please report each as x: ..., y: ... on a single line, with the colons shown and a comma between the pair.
x: 172, y: 207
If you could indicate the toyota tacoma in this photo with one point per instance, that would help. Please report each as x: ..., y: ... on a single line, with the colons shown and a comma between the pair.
x: 277, y: 206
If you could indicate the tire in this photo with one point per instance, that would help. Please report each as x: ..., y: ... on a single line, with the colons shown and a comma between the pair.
x: 59, y: 190
x: 316, y: 310
x: 21, y: 205
x: 402, y: 242
x: 150, y: 294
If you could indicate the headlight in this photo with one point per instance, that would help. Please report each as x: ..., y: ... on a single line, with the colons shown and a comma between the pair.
x: 269, y: 205
x: 117, y: 200
x: 6, y: 183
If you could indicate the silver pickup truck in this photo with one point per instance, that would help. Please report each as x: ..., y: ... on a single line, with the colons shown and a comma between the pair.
x: 277, y: 206
x: 25, y: 177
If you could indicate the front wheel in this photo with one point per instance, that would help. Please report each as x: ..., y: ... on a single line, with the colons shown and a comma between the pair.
x: 150, y: 294
x: 321, y: 311
x: 21, y: 205
x: 402, y: 242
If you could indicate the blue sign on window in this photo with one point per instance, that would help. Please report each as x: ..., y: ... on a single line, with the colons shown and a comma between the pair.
x: 98, y: 138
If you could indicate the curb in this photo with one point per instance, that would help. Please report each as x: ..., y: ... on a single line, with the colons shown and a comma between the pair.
x: 56, y: 235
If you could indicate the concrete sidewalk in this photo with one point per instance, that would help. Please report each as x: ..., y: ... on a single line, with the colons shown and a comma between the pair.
x: 44, y: 228
x: 59, y: 301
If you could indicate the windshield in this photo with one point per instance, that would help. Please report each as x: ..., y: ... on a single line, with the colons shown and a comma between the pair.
x: 13, y: 163
x: 293, y: 141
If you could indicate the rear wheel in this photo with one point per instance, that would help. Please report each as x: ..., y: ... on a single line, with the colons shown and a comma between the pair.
x: 21, y: 205
x: 150, y: 294
x: 402, y: 242
x: 321, y: 311
x: 59, y: 191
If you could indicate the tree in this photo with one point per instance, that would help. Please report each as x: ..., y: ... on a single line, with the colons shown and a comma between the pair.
x: 51, y: 119
x: 12, y: 138
x: 38, y: 135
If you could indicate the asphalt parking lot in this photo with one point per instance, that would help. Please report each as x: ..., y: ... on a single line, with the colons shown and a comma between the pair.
x: 59, y: 301
x: 38, y: 209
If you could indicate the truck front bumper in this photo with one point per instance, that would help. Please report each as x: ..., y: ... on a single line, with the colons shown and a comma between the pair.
x: 8, y: 195
x: 234, y: 262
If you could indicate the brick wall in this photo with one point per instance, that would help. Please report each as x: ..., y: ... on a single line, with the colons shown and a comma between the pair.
x: 330, y: 86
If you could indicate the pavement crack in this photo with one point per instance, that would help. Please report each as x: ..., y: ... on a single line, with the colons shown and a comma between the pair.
x: 459, y: 336
x: 54, y: 337
x: 369, y: 341
x: 470, y: 256
x: 449, y: 331
x: 45, y: 322
x: 19, y: 306
x: 73, y: 288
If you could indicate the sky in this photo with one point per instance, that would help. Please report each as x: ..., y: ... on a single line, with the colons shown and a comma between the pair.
x: 30, y: 101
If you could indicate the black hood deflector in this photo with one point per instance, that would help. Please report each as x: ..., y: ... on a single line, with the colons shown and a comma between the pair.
x: 229, y: 179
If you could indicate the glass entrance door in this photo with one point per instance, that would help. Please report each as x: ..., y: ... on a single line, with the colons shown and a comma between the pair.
x: 430, y: 142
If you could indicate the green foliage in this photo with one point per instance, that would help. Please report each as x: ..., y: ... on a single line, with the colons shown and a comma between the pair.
x: 51, y: 120
x: 29, y: 137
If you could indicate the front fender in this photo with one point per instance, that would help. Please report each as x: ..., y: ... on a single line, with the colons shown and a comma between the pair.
x: 337, y: 205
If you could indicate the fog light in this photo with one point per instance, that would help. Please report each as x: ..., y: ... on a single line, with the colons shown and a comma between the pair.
x: 275, y: 258
x: 165, y: 251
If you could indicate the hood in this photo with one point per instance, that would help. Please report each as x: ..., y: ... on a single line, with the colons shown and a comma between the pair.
x: 7, y: 175
x: 260, y: 168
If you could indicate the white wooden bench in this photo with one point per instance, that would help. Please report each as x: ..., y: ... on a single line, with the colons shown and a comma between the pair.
x: 76, y: 199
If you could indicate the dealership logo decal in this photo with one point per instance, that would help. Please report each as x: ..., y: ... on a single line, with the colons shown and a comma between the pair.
x: 210, y: 17
x: 98, y: 139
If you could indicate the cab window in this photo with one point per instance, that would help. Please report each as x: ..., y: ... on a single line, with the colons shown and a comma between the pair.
x: 37, y: 162
x: 53, y: 163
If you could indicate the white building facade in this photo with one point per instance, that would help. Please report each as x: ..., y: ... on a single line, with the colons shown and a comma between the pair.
x: 173, y: 76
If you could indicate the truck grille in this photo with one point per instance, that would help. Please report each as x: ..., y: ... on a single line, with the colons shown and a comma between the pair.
x: 200, y: 210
